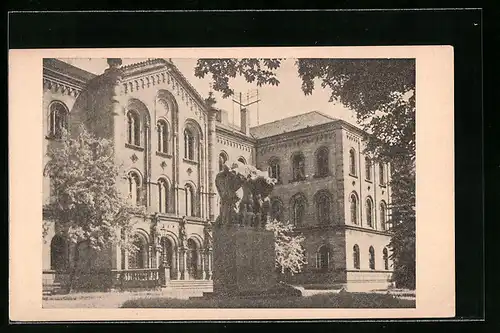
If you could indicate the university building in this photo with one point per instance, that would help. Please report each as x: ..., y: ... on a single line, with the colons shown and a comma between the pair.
x: 171, y: 145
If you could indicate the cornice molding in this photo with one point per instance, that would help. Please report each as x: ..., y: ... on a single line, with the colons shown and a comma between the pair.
x: 296, y: 141
x: 56, y: 85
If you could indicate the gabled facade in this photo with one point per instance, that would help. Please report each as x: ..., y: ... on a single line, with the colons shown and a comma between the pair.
x: 171, y: 146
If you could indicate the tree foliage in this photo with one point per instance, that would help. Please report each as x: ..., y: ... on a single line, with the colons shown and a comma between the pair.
x: 290, y: 257
x: 381, y: 92
x: 86, y: 203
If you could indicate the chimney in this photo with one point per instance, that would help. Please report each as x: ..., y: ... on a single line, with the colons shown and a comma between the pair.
x: 244, y: 121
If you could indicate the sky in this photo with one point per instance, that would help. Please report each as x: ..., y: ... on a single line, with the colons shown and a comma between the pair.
x: 276, y: 102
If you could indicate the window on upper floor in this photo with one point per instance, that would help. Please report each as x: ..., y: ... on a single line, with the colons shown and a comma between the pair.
x: 299, y: 167
x: 134, y: 187
x: 163, y: 195
x: 352, y: 162
x: 274, y: 169
x: 163, y: 136
x: 190, y: 200
x: 133, y: 128
x: 353, y: 202
x: 298, y: 209
x: 385, y: 257
x: 189, y: 145
x: 369, y: 212
x: 383, y: 215
x: 322, y: 162
x: 382, y: 178
x: 372, y: 257
x: 368, y: 169
x: 323, y: 203
x: 277, y: 210
x: 355, y: 256
x: 58, y: 119
x: 241, y: 159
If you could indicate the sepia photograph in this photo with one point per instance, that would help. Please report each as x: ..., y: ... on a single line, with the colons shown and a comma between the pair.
x: 232, y: 182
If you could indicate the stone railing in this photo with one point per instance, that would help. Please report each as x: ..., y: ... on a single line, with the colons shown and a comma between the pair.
x: 136, y: 278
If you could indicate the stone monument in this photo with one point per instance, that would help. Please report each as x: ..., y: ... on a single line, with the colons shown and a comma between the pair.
x: 244, y: 251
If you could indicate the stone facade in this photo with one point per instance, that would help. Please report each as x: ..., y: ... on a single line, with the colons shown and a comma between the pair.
x: 171, y: 145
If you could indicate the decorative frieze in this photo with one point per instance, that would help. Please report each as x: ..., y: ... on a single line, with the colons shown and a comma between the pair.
x: 61, y: 87
x: 352, y: 137
x: 293, y: 143
x: 231, y: 143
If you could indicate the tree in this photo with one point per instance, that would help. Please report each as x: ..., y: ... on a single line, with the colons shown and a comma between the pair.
x: 86, y: 204
x: 290, y: 257
x: 381, y: 92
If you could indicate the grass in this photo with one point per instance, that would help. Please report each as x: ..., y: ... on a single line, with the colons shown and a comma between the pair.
x: 324, y: 300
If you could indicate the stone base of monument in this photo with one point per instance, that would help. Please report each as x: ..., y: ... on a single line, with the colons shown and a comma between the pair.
x: 244, y: 264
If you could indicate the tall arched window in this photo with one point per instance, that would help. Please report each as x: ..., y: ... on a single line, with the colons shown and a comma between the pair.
x: 139, y: 257
x: 274, y: 169
x: 241, y: 159
x: 189, y: 145
x: 298, y: 209
x: 276, y: 210
x: 381, y: 173
x: 322, y: 167
x: 369, y: 212
x: 323, y: 207
x: 134, y: 186
x: 58, y: 253
x: 383, y: 215
x: 355, y: 256
x: 222, y: 160
x: 352, y: 162
x: 385, y: 256
x: 368, y: 168
x: 163, y: 139
x: 372, y: 257
x: 58, y: 119
x: 354, y: 208
x: 323, y: 258
x: 133, y: 128
x: 298, y: 164
x: 190, y: 200
x: 163, y: 196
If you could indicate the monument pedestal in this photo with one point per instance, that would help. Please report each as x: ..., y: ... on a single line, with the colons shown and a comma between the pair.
x: 244, y: 264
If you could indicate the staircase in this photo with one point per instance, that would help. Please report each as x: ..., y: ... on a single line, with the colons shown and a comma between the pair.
x: 198, y: 285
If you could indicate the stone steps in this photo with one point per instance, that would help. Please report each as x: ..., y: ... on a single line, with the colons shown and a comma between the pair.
x: 190, y: 284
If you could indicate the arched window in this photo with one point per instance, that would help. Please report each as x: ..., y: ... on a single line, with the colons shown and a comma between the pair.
x: 190, y: 201
x: 354, y: 208
x: 369, y: 212
x: 139, y: 257
x: 163, y: 139
x: 323, y: 207
x: 355, y: 256
x: 222, y: 160
x: 241, y: 159
x: 385, y: 256
x: 383, y: 215
x: 189, y: 145
x: 298, y: 163
x: 368, y: 168
x: 352, y: 162
x: 192, y: 258
x: 322, y: 168
x: 134, y: 186
x: 276, y: 210
x: 58, y: 253
x: 58, y: 119
x: 163, y: 196
x: 381, y: 173
x: 372, y: 257
x: 274, y: 169
x: 323, y: 258
x: 133, y: 128
x: 298, y: 209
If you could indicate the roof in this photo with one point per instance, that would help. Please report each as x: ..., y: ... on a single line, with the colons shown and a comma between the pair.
x: 290, y: 124
x: 67, y: 69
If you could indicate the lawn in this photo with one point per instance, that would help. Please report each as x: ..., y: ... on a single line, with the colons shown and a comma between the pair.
x: 324, y: 300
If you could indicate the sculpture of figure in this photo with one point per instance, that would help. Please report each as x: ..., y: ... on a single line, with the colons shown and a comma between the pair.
x: 208, y: 234
x: 243, y: 190
x: 182, y: 232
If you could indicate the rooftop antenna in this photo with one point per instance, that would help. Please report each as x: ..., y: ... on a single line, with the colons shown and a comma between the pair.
x: 252, y: 97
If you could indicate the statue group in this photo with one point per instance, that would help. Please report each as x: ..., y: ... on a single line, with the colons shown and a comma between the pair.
x: 244, y: 193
